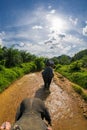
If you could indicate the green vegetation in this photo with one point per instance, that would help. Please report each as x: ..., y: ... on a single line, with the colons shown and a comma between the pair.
x: 80, y: 91
x: 15, y: 63
x: 63, y: 60
x: 8, y: 75
x: 80, y: 55
x: 76, y: 71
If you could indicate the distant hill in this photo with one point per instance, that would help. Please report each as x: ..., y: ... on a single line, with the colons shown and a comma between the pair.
x: 65, y: 59
x: 79, y: 55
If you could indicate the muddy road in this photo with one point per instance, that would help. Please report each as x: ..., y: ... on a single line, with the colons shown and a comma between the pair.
x: 64, y: 108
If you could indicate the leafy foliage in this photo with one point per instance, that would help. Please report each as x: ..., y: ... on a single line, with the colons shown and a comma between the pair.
x: 15, y: 63
x: 63, y: 60
x: 79, y: 77
x: 76, y: 71
x: 8, y: 75
x: 13, y: 58
x: 84, y: 61
x: 74, y: 67
x: 10, y: 57
x: 79, y: 55
x: 80, y: 91
x: 27, y: 57
x: 39, y: 62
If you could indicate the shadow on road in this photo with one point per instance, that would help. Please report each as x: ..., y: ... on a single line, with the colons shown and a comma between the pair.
x: 41, y: 93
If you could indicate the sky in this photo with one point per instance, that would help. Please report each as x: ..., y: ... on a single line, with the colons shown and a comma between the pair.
x: 44, y: 27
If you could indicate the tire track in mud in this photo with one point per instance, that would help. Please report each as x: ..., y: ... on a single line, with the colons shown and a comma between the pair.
x: 64, y: 109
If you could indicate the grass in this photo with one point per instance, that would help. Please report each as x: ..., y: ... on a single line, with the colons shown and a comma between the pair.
x: 8, y: 75
x: 80, y: 91
x: 78, y: 77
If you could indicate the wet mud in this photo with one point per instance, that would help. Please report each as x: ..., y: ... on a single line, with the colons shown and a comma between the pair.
x: 64, y: 109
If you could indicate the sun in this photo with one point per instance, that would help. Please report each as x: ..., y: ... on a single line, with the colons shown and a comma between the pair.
x: 57, y: 23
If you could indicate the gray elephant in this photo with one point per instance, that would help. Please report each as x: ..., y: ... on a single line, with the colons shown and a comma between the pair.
x: 31, y: 114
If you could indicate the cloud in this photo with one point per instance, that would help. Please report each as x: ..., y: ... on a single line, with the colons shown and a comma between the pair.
x: 20, y: 44
x: 44, y: 33
x: 85, y: 31
x: 2, y: 36
x: 54, y: 38
x: 0, y: 42
x: 73, y: 21
x: 62, y: 36
x: 52, y: 11
x: 48, y: 41
x: 37, y: 27
x: 74, y: 40
x: 73, y: 44
x: 65, y: 43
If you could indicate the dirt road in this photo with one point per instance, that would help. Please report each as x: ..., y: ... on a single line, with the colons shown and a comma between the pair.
x: 64, y: 108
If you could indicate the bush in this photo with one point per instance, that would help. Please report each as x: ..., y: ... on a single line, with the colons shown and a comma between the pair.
x: 9, y: 74
x: 4, y: 83
x: 2, y: 68
x: 19, y: 71
x: 79, y: 90
x: 58, y: 67
x: 80, y: 78
x: 33, y: 67
x: 74, y: 67
x: 39, y: 62
x: 28, y: 67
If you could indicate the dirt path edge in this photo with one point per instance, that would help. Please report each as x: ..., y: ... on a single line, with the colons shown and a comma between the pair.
x: 66, y: 85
